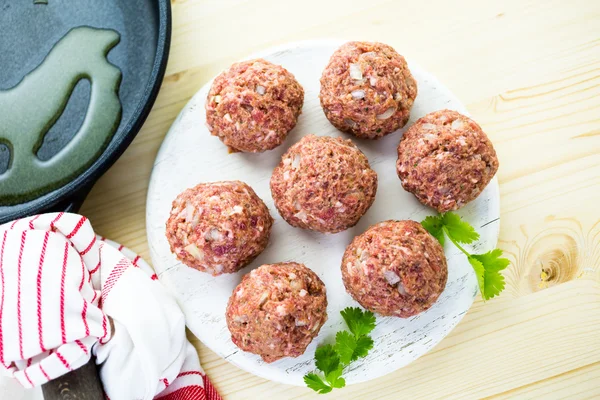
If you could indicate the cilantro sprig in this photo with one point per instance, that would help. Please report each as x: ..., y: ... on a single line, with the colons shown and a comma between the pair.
x: 349, y: 346
x: 487, y: 266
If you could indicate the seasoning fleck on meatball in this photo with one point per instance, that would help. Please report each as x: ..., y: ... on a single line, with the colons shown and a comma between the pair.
x: 218, y: 227
x: 367, y: 89
x: 324, y: 184
x: 277, y: 310
x: 252, y: 106
x: 395, y: 268
x: 446, y: 160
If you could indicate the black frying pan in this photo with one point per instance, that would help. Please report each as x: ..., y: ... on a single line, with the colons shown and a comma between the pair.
x: 29, y: 31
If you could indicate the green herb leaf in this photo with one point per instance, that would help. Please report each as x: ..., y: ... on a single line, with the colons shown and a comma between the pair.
x: 335, y: 378
x: 435, y: 226
x: 315, y: 382
x: 327, y: 359
x: 487, y: 266
x: 359, y: 322
x: 479, y: 272
x: 493, y: 281
x: 363, y: 345
x: 345, y: 344
x: 459, y: 230
x: 349, y: 346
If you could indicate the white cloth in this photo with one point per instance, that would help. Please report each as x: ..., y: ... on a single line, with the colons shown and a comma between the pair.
x: 60, y: 283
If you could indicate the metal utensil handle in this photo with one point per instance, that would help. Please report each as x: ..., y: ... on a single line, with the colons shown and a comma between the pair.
x: 81, y: 384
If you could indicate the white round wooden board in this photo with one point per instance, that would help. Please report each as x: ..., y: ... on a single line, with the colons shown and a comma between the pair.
x: 190, y: 155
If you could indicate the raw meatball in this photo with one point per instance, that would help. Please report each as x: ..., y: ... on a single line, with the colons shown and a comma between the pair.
x: 395, y: 268
x: 324, y: 184
x: 218, y: 227
x: 252, y: 106
x: 277, y: 310
x: 367, y: 89
x: 446, y: 160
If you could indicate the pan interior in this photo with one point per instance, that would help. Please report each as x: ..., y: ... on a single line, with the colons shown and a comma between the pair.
x: 30, y: 31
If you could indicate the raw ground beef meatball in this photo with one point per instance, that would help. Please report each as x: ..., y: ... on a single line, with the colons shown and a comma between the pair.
x: 253, y: 105
x: 324, y: 184
x: 277, y: 310
x: 218, y: 227
x: 446, y: 160
x: 395, y: 268
x: 367, y: 89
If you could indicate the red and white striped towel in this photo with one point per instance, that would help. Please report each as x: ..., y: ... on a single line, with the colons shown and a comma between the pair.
x: 66, y: 293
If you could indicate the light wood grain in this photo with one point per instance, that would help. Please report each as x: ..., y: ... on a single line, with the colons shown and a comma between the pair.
x: 529, y: 72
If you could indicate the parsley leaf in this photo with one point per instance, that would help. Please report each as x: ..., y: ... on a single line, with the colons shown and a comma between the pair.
x: 335, y: 378
x: 349, y: 346
x: 459, y: 230
x: 359, y: 322
x: 345, y: 344
x: 363, y: 345
x: 315, y: 382
x: 493, y: 281
x: 327, y: 359
x: 435, y: 226
x: 487, y: 266
x: 479, y: 272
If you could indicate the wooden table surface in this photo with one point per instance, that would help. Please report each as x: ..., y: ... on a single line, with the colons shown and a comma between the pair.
x: 529, y: 73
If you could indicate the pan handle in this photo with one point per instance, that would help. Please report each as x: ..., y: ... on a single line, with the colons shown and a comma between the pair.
x: 74, y: 202
x: 81, y: 384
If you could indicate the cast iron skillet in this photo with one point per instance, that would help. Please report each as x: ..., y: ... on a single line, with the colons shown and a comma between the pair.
x: 29, y: 29
x: 28, y: 33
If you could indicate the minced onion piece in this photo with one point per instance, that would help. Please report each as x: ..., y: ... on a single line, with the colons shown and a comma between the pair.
x: 301, y: 215
x: 350, y: 123
x: 457, y: 124
x: 194, y: 251
x: 280, y: 309
x: 263, y: 298
x: 241, y: 318
x: 373, y: 81
x: 358, y: 94
x: 296, y: 161
x: 401, y: 289
x: 237, y: 209
x: 391, y: 277
x: 189, y: 212
x: 364, y: 255
x: 214, y: 234
x: 429, y: 136
x: 388, y: 113
x: 260, y: 90
x: 355, y: 72
x: 296, y: 285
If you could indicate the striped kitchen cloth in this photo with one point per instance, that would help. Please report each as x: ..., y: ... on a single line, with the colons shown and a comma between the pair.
x: 66, y: 294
